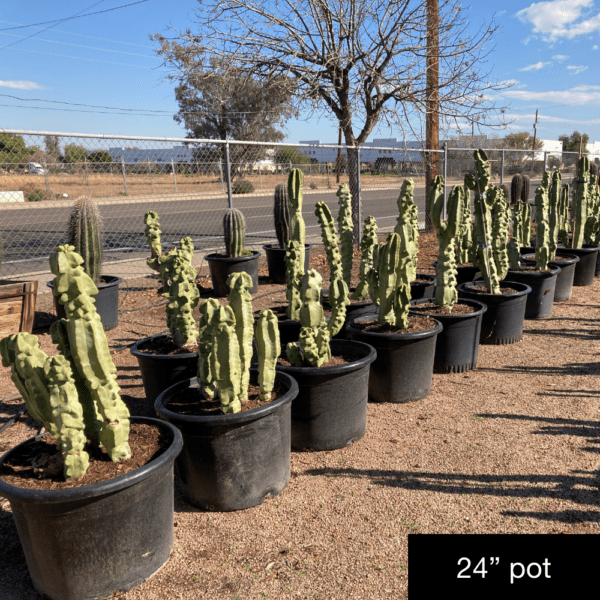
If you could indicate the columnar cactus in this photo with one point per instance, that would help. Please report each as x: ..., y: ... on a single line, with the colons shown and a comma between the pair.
x: 553, y: 214
x: 408, y: 213
x: 581, y: 200
x: 465, y: 249
x: 500, y: 229
x: 74, y: 394
x: 85, y: 235
x: 295, y: 198
x: 330, y: 240
x: 153, y: 237
x: 293, y: 278
x: 281, y: 213
x: 368, y: 243
x: 563, y: 222
x: 225, y: 347
x: 525, y: 189
x: 542, y: 247
x: 516, y: 188
x: 346, y: 225
x: 234, y: 228
x: 446, y: 294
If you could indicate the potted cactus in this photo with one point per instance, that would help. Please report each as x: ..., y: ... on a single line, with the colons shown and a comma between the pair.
x: 275, y: 253
x: 85, y: 540
x: 85, y: 234
x: 237, y: 258
x: 457, y: 345
x: 505, y: 300
x: 405, y: 344
x: 167, y: 359
x: 235, y: 420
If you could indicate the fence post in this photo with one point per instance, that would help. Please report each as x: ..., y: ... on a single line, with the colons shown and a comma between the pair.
x: 359, y: 214
x: 174, y: 176
x: 445, y: 175
x: 228, y: 175
x: 46, y: 177
x: 124, y: 176
x: 260, y: 177
x: 221, y: 174
x: 545, y: 159
x: 501, y: 167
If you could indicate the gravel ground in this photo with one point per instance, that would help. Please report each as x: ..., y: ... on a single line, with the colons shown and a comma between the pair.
x: 511, y: 447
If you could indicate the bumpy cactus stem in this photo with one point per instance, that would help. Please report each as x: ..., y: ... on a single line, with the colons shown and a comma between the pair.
x: 85, y: 235
x: 293, y: 278
x: 542, y: 247
x: 281, y: 214
x: 269, y: 349
x: 295, y: 198
x: 516, y: 188
x: 465, y: 250
x: 209, y: 319
x: 446, y: 294
x: 368, y: 243
x: 582, y: 196
x: 153, y: 237
x: 553, y: 214
x: 345, y: 226
x: 500, y: 230
x: 408, y: 213
x: 564, y: 225
x: 234, y: 228
x: 330, y: 240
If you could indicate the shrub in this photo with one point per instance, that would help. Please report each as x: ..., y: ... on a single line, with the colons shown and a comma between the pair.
x: 242, y: 186
x: 313, y: 186
x: 36, y: 196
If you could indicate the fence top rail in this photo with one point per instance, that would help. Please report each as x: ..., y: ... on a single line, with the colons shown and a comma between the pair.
x: 529, y: 151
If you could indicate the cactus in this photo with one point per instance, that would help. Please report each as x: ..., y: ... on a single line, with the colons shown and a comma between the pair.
x: 500, y: 230
x: 234, y: 228
x: 465, y: 250
x: 516, y: 188
x: 225, y: 347
x: 505, y: 191
x: 563, y: 224
x: 293, y: 278
x: 85, y: 235
x: 446, y: 294
x: 281, y: 214
x: 408, y: 213
x: 580, y: 202
x: 153, y: 237
x: 368, y: 243
x: 297, y: 227
x: 346, y: 225
x: 71, y: 392
x: 330, y: 240
x: 525, y: 189
x: 542, y: 246
x: 553, y: 214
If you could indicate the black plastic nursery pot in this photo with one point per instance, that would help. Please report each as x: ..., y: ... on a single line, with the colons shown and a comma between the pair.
x: 222, y: 266
x: 464, y: 273
x: 457, y: 345
x: 586, y: 267
x: 543, y: 286
x: 503, y: 321
x: 564, y: 280
x: 424, y: 288
x: 330, y: 410
x: 276, y: 261
x: 161, y: 371
x: 88, y: 541
x: 597, y: 271
x: 353, y: 310
x: 403, y: 370
x: 106, y: 301
x: 232, y: 461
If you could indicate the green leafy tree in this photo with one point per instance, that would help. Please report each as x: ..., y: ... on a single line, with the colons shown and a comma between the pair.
x: 290, y: 154
x: 521, y: 140
x: 13, y: 149
x: 75, y: 153
x: 101, y: 156
x: 571, y: 144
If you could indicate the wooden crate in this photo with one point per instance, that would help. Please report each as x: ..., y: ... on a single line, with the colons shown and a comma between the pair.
x: 17, y: 306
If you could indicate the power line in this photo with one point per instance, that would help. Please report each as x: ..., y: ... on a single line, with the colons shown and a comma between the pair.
x: 76, y: 16
x: 85, y: 111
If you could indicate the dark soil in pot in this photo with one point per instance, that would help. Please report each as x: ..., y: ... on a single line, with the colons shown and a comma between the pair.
x: 503, y: 321
x: 330, y: 410
x: 232, y: 461
x: 403, y: 369
x: 354, y: 309
x: 423, y: 286
x: 457, y: 345
x: 464, y: 273
x: 276, y: 261
x: 106, y: 301
x: 564, y: 280
x: 221, y: 266
x: 543, y: 285
x: 162, y: 364
x: 87, y: 541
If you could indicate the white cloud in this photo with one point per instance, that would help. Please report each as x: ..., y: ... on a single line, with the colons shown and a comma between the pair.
x: 594, y: 47
x: 536, y: 67
x: 561, y: 19
x: 21, y: 85
x: 575, y: 70
x: 560, y: 57
x: 576, y: 96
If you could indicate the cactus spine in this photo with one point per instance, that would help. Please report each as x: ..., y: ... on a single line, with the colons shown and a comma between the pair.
x: 408, y: 213
x: 234, y: 228
x: 582, y: 197
x: 85, y: 235
x: 281, y: 214
x: 50, y: 385
x: 446, y: 294
x: 345, y: 226
x: 368, y: 243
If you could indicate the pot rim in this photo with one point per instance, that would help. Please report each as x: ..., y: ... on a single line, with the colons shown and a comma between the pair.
x: 503, y: 283
x: 136, y: 352
x: 540, y: 274
x: 431, y: 278
x: 100, y: 488
x: 468, y: 301
x: 226, y: 419
x: 417, y: 335
x: 114, y: 280
x: 213, y: 256
x: 277, y: 247
x: 583, y: 250
x: 367, y: 359
x: 568, y: 259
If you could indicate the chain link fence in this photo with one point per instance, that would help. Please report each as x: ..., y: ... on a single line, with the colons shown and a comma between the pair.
x: 190, y: 183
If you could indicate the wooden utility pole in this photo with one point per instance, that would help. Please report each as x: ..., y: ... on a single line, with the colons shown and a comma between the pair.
x: 534, y: 138
x: 432, y: 116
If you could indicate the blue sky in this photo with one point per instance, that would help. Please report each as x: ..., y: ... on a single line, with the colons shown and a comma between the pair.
x: 548, y: 50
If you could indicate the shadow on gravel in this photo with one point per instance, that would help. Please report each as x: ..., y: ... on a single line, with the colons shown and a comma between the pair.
x: 568, y: 369
x: 589, y: 334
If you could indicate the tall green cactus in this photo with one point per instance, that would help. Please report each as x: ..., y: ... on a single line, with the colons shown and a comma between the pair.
x: 295, y: 198
x: 281, y: 214
x: 516, y: 188
x: 330, y: 240
x: 234, y: 228
x: 85, y: 235
x: 553, y: 214
x: 500, y: 230
x: 368, y: 243
x: 580, y: 202
x: 269, y: 348
x: 563, y: 222
x: 153, y: 237
x: 408, y: 213
x: 52, y: 387
x: 525, y: 189
x: 446, y: 294
x: 465, y: 249
x: 345, y: 226
x: 542, y: 246
x: 209, y: 313
x: 293, y: 278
